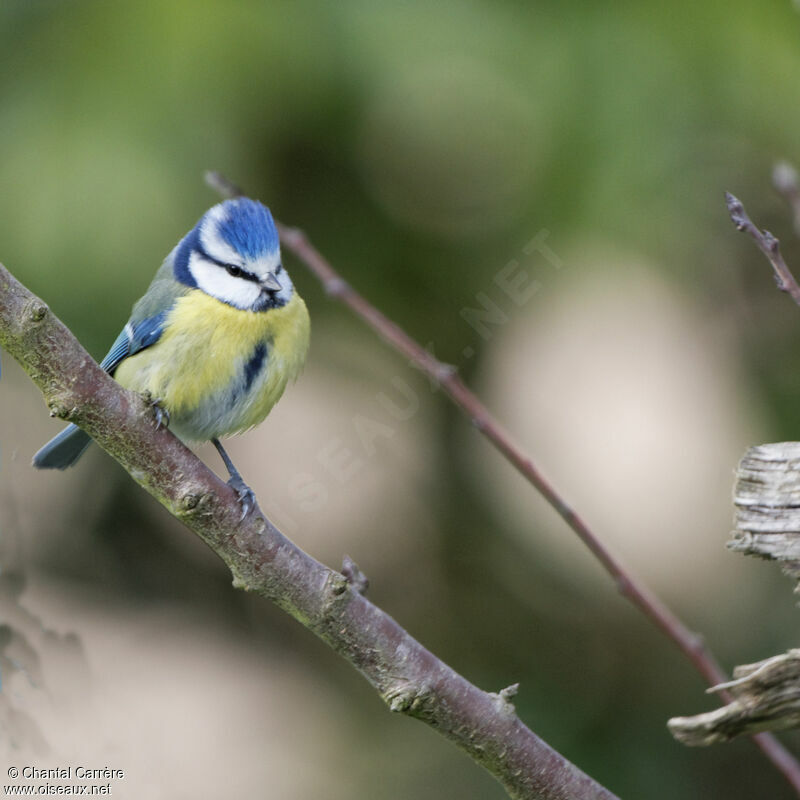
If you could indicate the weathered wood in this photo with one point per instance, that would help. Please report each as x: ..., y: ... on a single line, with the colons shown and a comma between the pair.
x: 765, y: 695
x: 767, y: 698
x: 767, y: 500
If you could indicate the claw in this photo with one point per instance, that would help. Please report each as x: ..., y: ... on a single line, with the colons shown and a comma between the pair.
x: 247, y: 498
x: 162, y: 416
x: 161, y: 413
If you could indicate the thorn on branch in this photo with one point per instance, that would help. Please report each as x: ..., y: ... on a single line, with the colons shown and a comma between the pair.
x: 354, y: 576
x: 509, y: 691
x: 504, y: 697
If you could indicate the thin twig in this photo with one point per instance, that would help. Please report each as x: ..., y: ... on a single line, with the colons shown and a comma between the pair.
x: 689, y: 642
x: 767, y: 244
x: 409, y: 678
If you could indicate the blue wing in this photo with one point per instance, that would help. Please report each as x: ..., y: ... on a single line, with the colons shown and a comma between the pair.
x: 66, y: 448
x: 135, y: 336
x: 143, y: 330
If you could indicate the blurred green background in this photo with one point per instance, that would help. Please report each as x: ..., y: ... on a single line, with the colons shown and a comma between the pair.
x: 422, y: 147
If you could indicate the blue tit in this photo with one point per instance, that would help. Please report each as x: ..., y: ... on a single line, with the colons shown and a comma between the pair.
x: 215, y: 339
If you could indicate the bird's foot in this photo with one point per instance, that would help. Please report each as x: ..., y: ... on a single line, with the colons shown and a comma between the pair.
x: 247, y: 498
x: 161, y: 414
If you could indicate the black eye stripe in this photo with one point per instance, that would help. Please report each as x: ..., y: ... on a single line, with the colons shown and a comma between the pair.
x: 236, y: 271
x: 232, y: 269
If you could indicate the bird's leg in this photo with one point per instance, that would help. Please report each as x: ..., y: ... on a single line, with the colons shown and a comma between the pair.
x: 246, y: 496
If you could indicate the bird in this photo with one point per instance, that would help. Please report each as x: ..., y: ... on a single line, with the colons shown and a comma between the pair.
x: 215, y: 339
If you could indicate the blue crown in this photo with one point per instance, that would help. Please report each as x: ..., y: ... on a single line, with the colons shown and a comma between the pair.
x: 248, y: 227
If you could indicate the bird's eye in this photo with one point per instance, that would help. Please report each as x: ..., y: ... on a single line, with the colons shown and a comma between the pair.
x: 233, y: 270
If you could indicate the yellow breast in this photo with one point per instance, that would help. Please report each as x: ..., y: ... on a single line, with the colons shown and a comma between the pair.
x: 219, y: 370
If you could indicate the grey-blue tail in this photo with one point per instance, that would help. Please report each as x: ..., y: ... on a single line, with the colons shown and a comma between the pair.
x: 64, y: 450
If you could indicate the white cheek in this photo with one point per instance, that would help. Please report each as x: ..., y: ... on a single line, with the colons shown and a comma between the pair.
x: 214, y: 280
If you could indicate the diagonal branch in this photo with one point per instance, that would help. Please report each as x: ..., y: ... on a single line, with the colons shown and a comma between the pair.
x: 409, y: 678
x: 690, y: 643
x: 767, y: 244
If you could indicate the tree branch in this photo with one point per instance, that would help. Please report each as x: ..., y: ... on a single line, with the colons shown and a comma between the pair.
x: 408, y: 677
x: 688, y: 642
x: 767, y: 244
